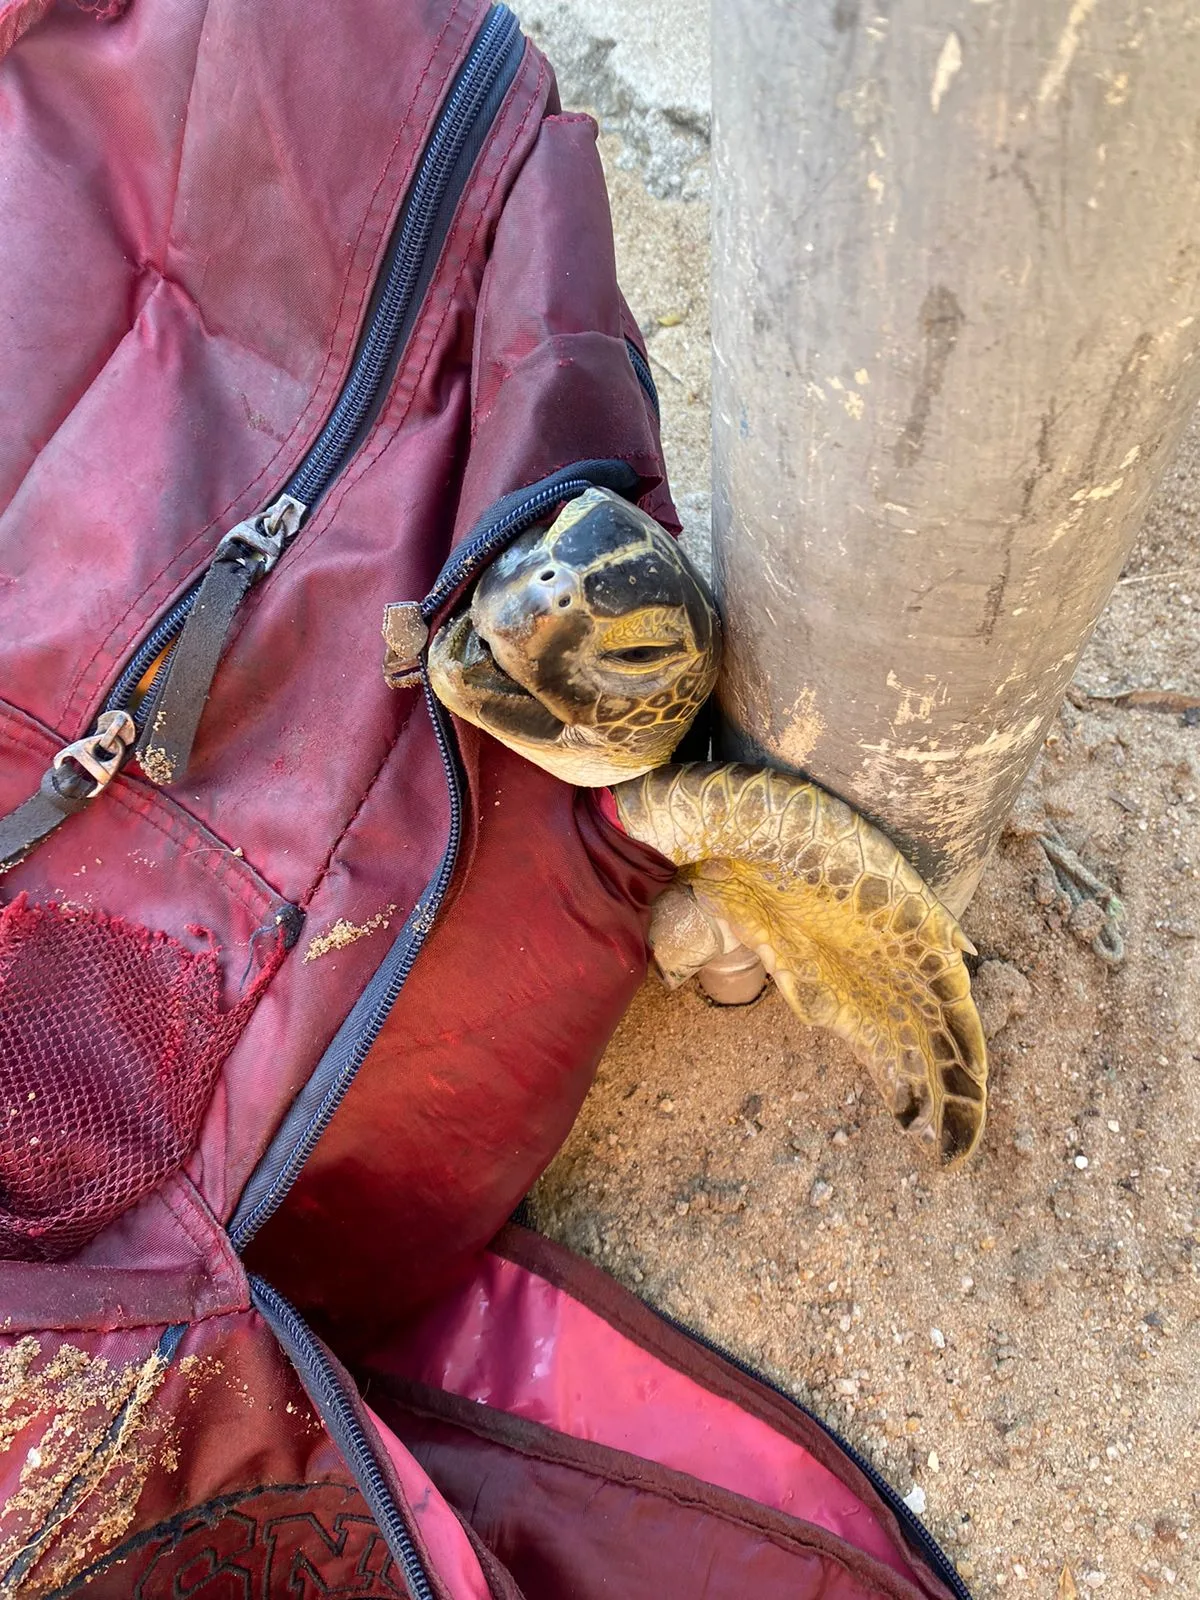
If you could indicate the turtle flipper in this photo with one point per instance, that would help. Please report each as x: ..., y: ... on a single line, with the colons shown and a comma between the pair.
x: 853, y: 937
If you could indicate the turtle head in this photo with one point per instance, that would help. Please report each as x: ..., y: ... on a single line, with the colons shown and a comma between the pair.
x: 588, y: 646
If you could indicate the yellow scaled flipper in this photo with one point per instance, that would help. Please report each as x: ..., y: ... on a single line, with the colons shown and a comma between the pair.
x: 851, y: 934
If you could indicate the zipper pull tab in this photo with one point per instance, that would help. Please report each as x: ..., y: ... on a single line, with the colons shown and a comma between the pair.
x: 245, y: 554
x: 66, y: 788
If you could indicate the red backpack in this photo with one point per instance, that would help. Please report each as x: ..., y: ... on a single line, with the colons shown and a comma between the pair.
x: 301, y: 984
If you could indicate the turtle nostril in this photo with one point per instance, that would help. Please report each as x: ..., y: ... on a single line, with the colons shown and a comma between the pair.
x: 548, y: 576
x: 565, y: 600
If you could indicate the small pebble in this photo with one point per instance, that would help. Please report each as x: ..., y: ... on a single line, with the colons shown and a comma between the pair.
x: 1114, y: 1126
x: 841, y: 1137
x: 667, y: 1105
x: 915, y: 1500
x: 935, y: 1464
x: 937, y: 1338
x: 1095, y: 1579
x: 1023, y: 1142
x: 821, y: 1193
x: 1081, y: 1162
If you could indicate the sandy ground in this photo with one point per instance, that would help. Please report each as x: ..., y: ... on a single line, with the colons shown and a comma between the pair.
x: 1019, y: 1344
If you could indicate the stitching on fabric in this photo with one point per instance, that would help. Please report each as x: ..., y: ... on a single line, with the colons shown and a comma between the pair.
x: 642, y: 1327
x: 364, y: 459
x: 27, y: 738
x: 183, y: 133
x: 220, y: 871
x: 612, y: 1469
x: 306, y: 898
x: 338, y: 328
x: 446, y: 281
x: 186, y: 831
x: 543, y: 75
x: 182, y: 1200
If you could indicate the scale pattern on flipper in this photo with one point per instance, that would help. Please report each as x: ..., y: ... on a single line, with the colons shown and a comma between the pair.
x: 855, y: 940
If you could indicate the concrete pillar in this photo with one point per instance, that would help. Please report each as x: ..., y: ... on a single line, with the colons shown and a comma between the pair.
x: 956, y: 306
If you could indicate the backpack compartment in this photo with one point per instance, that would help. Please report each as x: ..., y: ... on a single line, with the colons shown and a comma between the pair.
x: 596, y: 1447
x: 130, y: 961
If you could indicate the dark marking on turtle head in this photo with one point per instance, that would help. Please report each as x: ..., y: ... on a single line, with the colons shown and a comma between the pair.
x: 601, y: 621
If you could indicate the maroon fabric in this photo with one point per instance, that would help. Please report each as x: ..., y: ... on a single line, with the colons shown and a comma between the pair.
x: 228, y: 172
x: 567, y: 1517
x: 482, y: 1065
x: 211, y: 1475
x: 233, y: 230
x: 509, y: 1339
x: 554, y: 1360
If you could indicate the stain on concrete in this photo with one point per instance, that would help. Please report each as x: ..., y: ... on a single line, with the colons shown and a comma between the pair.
x: 940, y: 322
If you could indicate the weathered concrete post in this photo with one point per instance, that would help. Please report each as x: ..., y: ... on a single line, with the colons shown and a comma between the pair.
x: 956, y: 311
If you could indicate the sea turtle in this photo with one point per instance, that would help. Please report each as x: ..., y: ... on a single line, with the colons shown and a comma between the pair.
x: 589, y: 646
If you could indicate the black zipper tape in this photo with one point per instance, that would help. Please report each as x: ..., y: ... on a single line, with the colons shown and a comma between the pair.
x: 644, y: 376
x: 408, y: 267
x: 914, y: 1530
x: 421, y: 230
x: 166, y: 717
x: 513, y: 514
x: 182, y: 684
x: 324, y: 1387
x: 313, y: 1108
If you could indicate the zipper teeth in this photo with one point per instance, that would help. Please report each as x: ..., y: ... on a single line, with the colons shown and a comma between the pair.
x: 164, y: 633
x: 479, y: 75
x: 476, y: 555
x: 912, y: 1524
x: 338, y: 1414
x: 645, y: 377
x: 450, y: 135
x: 418, y: 926
x: 246, y: 1223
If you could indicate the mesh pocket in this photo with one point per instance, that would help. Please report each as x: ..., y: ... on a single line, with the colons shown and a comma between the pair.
x: 111, y: 1038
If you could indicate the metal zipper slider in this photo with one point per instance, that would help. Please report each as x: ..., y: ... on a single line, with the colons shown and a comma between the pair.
x: 99, y: 754
x: 262, y: 538
x: 64, y: 788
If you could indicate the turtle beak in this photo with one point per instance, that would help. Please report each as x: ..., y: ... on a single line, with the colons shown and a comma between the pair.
x: 462, y: 644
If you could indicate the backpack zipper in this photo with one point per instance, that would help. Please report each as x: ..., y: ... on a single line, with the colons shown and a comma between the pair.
x: 325, y: 1389
x: 312, y: 1110
x: 249, y: 551
x: 915, y: 1531
x: 645, y: 377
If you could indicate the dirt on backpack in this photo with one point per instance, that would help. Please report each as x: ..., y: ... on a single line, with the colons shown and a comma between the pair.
x: 1017, y: 1346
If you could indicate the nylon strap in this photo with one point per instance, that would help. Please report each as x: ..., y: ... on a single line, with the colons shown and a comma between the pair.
x: 34, y: 821
x: 165, y: 747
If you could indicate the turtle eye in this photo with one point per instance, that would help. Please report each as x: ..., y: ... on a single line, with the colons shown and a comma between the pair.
x: 640, y: 655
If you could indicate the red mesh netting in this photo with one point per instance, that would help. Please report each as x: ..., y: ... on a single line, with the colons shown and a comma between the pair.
x: 111, y: 1038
